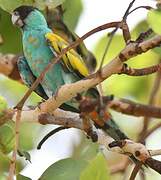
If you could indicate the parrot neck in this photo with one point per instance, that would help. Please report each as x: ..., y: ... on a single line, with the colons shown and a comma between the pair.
x: 35, y: 21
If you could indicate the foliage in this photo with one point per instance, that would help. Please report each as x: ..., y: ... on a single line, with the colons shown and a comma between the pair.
x: 10, y: 35
x: 72, y: 7
x: 86, y: 162
x: 3, y: 105
x: 96, y: 169
x: 21, y: 177
x: 66, y: 169
x: 130, y: 88
x: 9, y: 6
x: 154, y: 20
x: 79, y: 169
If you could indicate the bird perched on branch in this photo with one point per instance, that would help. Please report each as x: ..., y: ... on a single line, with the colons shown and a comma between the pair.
x: 40, y: 46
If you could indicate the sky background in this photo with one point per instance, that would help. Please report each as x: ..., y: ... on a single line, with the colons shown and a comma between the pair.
x: 95, y: 13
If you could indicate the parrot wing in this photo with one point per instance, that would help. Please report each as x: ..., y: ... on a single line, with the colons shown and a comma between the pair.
x: 28, y: 77
x: 71, y: 60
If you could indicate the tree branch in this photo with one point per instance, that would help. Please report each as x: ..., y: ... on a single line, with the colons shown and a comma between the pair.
x: 140, y: 72
x: 8, y: 66
x: 135, y: 109
x: 71, y: 119
x: 135, y: 170
x: 150, y: 131
x: 68, y: 91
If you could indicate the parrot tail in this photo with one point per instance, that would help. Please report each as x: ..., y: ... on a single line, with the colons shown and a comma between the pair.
x: 112, y: 129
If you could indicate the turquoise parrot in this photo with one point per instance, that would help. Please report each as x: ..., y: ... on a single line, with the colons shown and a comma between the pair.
x: 40, y: 46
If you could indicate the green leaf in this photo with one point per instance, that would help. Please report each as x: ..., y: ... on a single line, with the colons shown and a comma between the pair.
x: 86, y: 150
x: 3, y: 177
x: 28, y: 133
x: 73, y: 9
x: 140, y: 27
x: 21, y: 177
x: 41, y: 4
x: 66, y: 169
x: 7, y: 137
x: 10, y: 35
x: 10, y: 5
x: 114, y: 49
x: 154, y: 20
x: 96, y: 170
x: 1, y: 39
x: 3, y: 105
x: 123, y: 85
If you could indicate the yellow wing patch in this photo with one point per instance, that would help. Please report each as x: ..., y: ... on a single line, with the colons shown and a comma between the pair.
x: 72, y: 59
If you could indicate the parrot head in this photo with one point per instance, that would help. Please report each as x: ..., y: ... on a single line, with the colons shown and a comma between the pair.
x: 27, y: 16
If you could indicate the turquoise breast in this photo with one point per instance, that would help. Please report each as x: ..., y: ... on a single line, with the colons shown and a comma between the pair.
x: 39, y: 55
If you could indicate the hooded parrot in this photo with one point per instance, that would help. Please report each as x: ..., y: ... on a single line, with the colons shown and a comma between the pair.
x: 40, y: 46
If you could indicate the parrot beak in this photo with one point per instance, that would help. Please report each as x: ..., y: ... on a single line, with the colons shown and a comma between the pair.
x: 16, y: 20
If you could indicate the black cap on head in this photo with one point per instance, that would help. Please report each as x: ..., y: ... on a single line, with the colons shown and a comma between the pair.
x: 24, y: 11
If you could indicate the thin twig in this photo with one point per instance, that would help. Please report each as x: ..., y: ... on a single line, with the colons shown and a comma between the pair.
x: 151, y: 102
x: 135, y: 170
x: 128, y: 9
x: 139, y: 7
x: 155, y: 152
x: 125, y: 28
x: 111, y: 35
x: 14, y: 154
x: 150, y: 131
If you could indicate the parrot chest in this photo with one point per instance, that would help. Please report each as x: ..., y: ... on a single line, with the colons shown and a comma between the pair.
x: 38, y: 56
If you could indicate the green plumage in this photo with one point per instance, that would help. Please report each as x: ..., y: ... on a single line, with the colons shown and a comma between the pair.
x: 38, y: 54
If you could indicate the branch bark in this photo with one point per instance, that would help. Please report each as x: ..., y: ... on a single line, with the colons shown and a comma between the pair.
x: 71, y: 119
x: 140, y: 72
x: 68, y: 91
x: 8, y: 66
x: 129, y: 107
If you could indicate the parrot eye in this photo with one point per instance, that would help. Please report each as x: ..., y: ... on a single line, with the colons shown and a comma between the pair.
x: 16, y: 13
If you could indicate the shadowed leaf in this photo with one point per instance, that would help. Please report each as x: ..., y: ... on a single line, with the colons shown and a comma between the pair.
x: 66, y: 169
